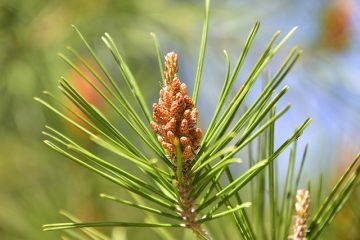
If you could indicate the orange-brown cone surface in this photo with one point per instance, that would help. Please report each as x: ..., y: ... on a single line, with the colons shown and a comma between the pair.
x: 175, y: 115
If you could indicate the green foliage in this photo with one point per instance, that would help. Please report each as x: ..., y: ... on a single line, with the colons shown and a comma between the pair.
x: 217, y: 191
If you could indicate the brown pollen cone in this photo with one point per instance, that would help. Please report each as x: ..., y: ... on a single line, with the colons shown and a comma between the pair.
x: 175, y: 118
x: 175, y: 115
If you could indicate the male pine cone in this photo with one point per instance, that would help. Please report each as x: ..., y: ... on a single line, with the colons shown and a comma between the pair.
x: 175, y: 116
x: 302, y: 206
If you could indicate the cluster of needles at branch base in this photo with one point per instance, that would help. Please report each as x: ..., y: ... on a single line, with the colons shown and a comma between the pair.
x: 302, y: 206
x: 175, y: 118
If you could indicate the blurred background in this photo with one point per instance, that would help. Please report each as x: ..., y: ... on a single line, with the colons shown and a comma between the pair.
x: 325, y: 85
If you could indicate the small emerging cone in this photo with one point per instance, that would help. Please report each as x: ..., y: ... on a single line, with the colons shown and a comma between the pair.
x: 302, y: 206
x: 175, y: 116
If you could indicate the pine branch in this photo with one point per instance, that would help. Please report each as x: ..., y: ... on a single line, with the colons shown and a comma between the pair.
x: 182, y: 176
